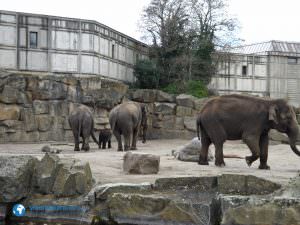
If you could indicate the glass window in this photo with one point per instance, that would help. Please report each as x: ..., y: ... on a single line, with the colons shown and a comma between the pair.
x: 244, y: 70
x: 33, y: 39
x: 292, y: 60
x: 113, y: 51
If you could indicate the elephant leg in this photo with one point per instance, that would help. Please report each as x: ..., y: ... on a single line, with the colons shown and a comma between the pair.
x: 205, y: 143
x: 219, y: 157
x: 253, y: 144
x: 119, y: 139
x: 85, y: 144
x: 264, y: 144
x: 100, y: 144
x: 109, y: 143
x: 134, y: 139
x: 127, y: 139
x: 104, y: 145
x: 76, y: 140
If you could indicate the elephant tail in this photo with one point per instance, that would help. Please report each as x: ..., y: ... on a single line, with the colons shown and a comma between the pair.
x: 94, y: 138
x: 112, y: 121
x: 79, y: 130
x: 93, y: 135
x: 198, y: 125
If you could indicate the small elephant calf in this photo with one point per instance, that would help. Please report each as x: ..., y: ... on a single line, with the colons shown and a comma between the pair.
x: 105, y: 137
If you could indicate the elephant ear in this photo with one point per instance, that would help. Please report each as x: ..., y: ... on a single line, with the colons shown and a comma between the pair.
x: 273, y: 114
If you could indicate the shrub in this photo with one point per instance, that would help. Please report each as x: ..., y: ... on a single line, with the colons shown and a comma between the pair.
x: 193, y: 87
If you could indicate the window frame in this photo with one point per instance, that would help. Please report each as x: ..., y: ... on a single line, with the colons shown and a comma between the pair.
x: 31, y: 43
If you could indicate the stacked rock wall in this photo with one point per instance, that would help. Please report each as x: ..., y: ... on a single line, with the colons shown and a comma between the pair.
x: 36, y: 107
x: 169, y: 116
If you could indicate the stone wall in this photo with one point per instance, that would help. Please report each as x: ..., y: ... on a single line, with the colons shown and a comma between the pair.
x: 169, y: 116
x: 36, y: 107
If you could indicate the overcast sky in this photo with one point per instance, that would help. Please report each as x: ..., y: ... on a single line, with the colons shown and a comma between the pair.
x: 260, y: 20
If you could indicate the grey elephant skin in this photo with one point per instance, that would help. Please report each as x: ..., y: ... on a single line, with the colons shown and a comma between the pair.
x: 82, y: 124
x: 241, y: 117
x: 127, y: 119
x: 105, y: 138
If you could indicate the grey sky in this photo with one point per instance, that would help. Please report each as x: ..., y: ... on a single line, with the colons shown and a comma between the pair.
x: 261, y: 20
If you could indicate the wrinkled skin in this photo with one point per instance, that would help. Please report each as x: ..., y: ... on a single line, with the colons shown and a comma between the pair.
x: 105, y: 137
x: 82, y: 124
x: 240, y: 117
x: 127, y: 119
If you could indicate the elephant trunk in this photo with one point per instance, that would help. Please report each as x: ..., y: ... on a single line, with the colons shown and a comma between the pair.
x: 293, y: 134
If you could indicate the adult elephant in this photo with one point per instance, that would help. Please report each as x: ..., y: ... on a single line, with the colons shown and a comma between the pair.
x: 126, y: 119
x: 82, y: 124
x: 235, y: 117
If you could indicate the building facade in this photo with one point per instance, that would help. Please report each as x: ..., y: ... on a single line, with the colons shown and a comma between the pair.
x: 32, y: 42
x: 265, y: 69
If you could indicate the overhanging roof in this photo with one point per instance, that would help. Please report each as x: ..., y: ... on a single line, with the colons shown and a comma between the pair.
x: 265, y: 48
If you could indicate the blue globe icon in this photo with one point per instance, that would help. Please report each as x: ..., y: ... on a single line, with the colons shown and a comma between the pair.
x: 19, y: 210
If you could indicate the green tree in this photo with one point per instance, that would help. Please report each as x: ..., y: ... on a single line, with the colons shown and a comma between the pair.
x: 183, y: 34
x: 164, y: 22
x: 146, y: 74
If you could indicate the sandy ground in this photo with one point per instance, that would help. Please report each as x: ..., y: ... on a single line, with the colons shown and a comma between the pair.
x: 106, y: 164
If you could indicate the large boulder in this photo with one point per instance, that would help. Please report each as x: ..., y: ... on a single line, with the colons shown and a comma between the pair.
x: 164, y: 108
x: 190, y: 123
x: 267, y: 210
x: 165, y: 97
x: 73, y: 178
x: 9, y: 112
x: 105, y: 98
x: 138, y: 163
x: 144, y: 95
x: 45, y: 173
x: 185, y: 111
x: 193, y: 184
x: 154, y: 209
x: 29, y: 119
x: 186, y: 100
x: 102, y: 192
x: 49, y: 89
x: 40, y: 107
x: 44, y: 122
x: 164, y: 121
x: 245, y: 185
x: 62, y: 177
x: 190, y: 152
x: 199, y: 103
x: 15, y: 177
x: 12, y: 95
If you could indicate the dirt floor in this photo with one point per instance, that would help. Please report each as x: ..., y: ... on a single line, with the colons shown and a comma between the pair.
x: 106, y: 164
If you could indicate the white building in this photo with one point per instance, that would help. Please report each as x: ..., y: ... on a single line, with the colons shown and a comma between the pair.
x: 265, y: 69
x: 31, y: 42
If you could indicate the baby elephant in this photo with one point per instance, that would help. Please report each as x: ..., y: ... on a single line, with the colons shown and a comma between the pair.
x: 105, y: 137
